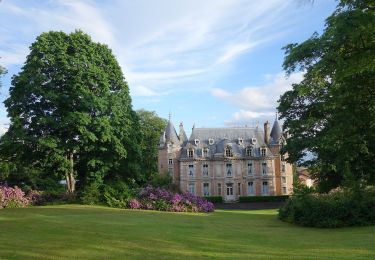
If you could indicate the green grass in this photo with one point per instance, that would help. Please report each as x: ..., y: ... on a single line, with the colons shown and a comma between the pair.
x: 85, y: 232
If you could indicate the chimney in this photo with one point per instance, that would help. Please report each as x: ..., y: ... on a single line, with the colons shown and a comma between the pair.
x: 266, y: 132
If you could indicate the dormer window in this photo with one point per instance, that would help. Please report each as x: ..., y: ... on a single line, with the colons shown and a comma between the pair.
x: 249, y: 151
x: 205, y: 152
x: 211, y: 141
x: 253, y: 140
x: 190, y: 153
x: 240, y: 141
x: 228, y: 152
x: 196, y: 141
x: 263, y: 151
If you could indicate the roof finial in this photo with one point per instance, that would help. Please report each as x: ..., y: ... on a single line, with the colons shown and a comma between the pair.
x: 169, y: 116
x: 277, y: 115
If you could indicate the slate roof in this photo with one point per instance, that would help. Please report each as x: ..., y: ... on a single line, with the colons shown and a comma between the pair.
x: 171, y: 134
x: 224, y: 137
x: 275, y: 132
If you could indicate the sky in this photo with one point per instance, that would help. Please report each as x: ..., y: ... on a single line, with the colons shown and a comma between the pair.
x: 212, y: 63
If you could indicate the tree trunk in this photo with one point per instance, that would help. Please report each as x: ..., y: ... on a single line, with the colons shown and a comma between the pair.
x: 70, y: 181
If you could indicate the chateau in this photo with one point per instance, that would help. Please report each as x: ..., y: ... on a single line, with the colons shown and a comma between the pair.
x: 227, y: 162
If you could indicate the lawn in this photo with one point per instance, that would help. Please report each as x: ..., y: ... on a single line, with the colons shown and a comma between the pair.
x: 83, y: 232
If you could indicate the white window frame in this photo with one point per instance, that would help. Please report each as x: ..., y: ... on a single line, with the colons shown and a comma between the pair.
x: 191, y: 188
x: 219, y: 189
x: 206, y: 192
x: 251, y: 192
x: 250, y: 168
x: 229, y: 169
x: 263, y: 151
x: 265, y: 188
x: 205, y: 171
x: 190, y: 152
x: 170, y: 161
x: 191, y: 170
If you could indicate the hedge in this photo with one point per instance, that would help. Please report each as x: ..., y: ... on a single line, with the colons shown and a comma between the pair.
x: 337, y: 209
x: 214, y: 199
x: 281, y: 198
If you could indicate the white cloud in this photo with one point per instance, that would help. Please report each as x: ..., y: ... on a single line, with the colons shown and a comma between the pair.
x: 64, y: 15
x: 257, y: 101
x: 143, y: 91
x: 3, y: 130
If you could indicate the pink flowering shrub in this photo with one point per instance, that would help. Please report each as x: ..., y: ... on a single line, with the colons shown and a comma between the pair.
x: 134, y: 204
x: 12, y: 197
x: 164, y: 200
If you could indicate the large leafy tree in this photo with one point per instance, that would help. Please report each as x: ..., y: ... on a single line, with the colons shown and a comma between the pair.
x: 330, y: 115
x: 150, y: 126
x: 70, y: 109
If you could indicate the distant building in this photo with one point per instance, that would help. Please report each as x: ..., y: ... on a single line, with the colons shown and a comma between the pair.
x: 304, y: 176
x: 227, y: 162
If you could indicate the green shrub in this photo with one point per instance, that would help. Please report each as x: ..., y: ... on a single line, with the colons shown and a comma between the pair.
x: 163, y: 180
x: 117, y: 195
x: 264, y: 198
x: 336, y: 209
x: 214, y: 199
x: 91, y: 194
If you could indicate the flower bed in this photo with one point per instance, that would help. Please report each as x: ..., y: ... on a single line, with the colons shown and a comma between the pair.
x: 12, y: 197
x: 163, y: 200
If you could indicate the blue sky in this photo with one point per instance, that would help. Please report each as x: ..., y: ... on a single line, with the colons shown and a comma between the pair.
x: 211, y: 63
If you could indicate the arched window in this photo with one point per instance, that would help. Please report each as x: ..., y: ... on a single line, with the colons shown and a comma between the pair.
x: 190, y: 152
x: 249, y: 151
x: 205, y: 152
x: 228, y: 152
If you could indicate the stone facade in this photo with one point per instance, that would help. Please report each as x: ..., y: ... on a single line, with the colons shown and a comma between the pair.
x: 227, y: 162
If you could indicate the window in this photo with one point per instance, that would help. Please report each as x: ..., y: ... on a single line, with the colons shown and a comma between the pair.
x: 205, y: 169
x: 219, y: 189
x: 190, y: 153
x: 169, y: 148
x: 240, y: 141
x: 206, y: 189
x: 253, y: 140
x: 191, y: 170
x: 211, y: 141
x: 170, y: 172
x: 283, y: 180
x: 264, y: 168
x: 250, y: 168
x: 228, y: 152
x: 229, y: 169
x: 265, y: 188
x: 249, y: 151
x: 250, y: 188
x: 170, y: 161
x: 205, y: 152
x: 196, y: 141
x: 283, y: 167
x: 284, y: 190
x: 191, y: 188
x: 239, y: 189
x: 263, y: 151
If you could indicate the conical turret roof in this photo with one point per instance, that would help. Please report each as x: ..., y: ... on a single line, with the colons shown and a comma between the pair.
x: 171, y: 134
x: 276, y: 131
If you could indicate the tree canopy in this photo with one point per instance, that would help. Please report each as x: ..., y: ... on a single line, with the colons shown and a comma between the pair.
x: 330, y: 115
x: 70, y: 110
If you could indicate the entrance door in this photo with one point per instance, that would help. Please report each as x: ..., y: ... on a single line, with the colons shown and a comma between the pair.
x: 229, y: 192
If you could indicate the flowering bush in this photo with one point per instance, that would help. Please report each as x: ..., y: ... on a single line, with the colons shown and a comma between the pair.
x: 164, y: 200
x: 12, y: 197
